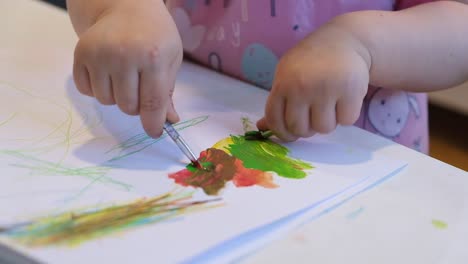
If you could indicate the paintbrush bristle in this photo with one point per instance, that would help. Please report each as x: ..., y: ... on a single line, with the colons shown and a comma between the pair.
x: 197, y: 164
x: 257, y: 135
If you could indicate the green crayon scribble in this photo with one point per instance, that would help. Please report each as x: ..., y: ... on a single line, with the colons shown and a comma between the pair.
x: 8, y: 119
x: 38, y: 166
x: 142, y: 141
x: 247, y: 125
x: 73, y: 228
x: 62, y: 134
x: 266, y: 155
x: 439, y: 224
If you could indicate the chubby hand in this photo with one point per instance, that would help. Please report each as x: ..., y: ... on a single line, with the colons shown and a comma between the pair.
x: 318, y: 84
x: 130, y: 57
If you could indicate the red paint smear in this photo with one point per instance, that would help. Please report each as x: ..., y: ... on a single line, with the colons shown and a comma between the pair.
x: 225, y: 168
x: 180, y: 176
x: 247, y: 177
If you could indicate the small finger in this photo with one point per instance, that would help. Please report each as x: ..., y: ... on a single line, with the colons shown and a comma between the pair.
x: 323, y: 117
x: 348, y: 111
x: 274, y: 116
x: 101, y: 86
x: 262, y: 124
x: 81, y: 72
x: 153, y: 102
x: 297, y: 118
x: 125, y: 87
x: 172, y: 115
x: 82, y: 79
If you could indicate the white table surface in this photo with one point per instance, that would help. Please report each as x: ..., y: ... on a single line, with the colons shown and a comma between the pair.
x: 391, y: 223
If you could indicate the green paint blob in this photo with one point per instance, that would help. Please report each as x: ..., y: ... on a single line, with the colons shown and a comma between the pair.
x: 439, y: 224
x: 266, y: 155
x: 206, y: 165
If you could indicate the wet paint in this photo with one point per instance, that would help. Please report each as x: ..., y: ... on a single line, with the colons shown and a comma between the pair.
x: 219, y: 168
x: 244, y: 162
x: 266, y: 155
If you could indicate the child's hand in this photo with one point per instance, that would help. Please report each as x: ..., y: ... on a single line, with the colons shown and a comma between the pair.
x: 318, y: 84
x: 130, y: 57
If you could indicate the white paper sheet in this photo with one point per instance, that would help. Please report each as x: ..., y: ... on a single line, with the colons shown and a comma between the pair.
x: 61, y: 151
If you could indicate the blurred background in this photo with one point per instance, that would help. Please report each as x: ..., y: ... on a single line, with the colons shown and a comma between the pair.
x: 59, y: 3
x: 448, y: 121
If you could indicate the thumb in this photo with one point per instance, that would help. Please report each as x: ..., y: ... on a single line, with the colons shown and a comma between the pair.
x: 172, y: 115
x: 262, y: 124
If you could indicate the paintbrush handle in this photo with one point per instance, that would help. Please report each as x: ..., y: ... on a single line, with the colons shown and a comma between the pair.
x: 180, y: 142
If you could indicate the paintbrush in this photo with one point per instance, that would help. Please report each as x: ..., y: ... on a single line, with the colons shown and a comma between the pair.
x: 180, y: 142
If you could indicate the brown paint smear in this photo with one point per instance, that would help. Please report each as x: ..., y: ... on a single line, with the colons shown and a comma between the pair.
x: 220, y: 168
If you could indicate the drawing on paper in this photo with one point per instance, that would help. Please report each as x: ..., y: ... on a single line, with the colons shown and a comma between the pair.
x: 218, y: 169
x: 46, y: 153
x: 242, y: 161
x: 142, y: 141
x: 54, y: 139
x: 73, y: 228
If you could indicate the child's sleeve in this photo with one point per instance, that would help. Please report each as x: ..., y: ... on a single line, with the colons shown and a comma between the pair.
x: 402, y: 4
